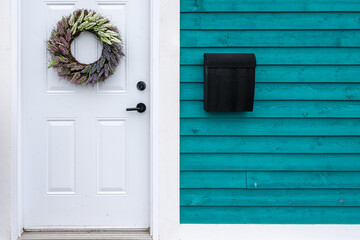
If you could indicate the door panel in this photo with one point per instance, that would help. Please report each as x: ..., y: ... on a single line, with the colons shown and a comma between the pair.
x: 112, y: 154
x: 86, y: 159
x: 60, y: 156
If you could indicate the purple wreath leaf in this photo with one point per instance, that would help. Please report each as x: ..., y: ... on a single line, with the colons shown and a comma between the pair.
x: 75, y: 77
x: 64, y: 42
x: 70, y: 65
x: 93, y: 69
x: 55, y: 37
x: 64, y: 72
x: 81, y: 80
x: 62, y: 59
x: 60, y: 28
x: 95, y: 79
x: 89, y: 80
x: 63, y: 50
x: 107, y: 56
x: 114, y: 61
x: 77, y: 68
x: 53, y: 48
x: 98, y: 66
x: 106, y: 70
x: 86, y: 69
x: 110, y: 66
x: 65, y: 22
x: 107, y: 47
x: 101, y: 73
x: 116, y: 45
x: 118, y: 55
x: 68, y: 35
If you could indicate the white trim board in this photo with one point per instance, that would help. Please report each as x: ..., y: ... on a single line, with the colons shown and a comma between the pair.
x: 168, y: 119
x: 154, y: 127
x: 16, y: 179
x: 268, y: 232
x: 5, y: 120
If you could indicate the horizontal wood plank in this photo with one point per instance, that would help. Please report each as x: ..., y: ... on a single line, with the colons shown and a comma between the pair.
x: 230, y: 21
x: 274, y: 180
x: 271, y: 74
x: 269, y: 197
x: 279, y: 109
x: 269, y: 6
x: 268, y: 144
x: 286, y: 91
x: 269, y: 162
x: 280, y: 56
x: 211, y: 180
x: 275, y: 127
x: 270, y: 215
x: 270, y: 38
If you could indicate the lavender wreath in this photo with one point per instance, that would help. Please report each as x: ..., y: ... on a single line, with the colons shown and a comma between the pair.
x: 70, y: 27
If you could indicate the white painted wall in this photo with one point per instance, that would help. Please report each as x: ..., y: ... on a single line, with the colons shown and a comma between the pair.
x: 5, y: 119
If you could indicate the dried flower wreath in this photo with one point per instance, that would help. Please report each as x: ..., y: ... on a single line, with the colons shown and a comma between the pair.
x: 70, y: 27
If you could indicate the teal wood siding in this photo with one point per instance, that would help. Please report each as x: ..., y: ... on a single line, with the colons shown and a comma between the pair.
x: 296, y: 158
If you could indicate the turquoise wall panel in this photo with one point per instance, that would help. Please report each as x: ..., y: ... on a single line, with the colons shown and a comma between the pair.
x: 296, y: 158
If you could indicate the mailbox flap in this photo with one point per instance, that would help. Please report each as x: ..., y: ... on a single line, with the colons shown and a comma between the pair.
x: 229, y: 60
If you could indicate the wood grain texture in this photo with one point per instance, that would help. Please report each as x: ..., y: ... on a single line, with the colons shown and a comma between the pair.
x: 213, y: 179
x: 239, y: 21
x: 286, y: 74
x: 286, y: 91
x: 269, y: 6
x: 268, y: 144
x: 299, y: 180
x: 280, y: 56
x: 279, y: 109
x: 270, y: 197
x: 271, y: 127
x: 269, y: 162
x: 270, y: 215
x: 270, y: 38
x: 301, y: 143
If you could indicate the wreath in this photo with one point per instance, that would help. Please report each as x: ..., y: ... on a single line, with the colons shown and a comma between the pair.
x: 70, y: 27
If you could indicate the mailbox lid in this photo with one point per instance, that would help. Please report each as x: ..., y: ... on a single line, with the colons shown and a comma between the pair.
x: 229, y: 60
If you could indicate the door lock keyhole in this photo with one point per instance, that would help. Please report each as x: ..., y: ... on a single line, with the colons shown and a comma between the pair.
x: 141, y: 86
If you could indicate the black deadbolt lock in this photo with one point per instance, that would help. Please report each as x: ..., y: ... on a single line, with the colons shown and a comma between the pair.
x: 141, y: 86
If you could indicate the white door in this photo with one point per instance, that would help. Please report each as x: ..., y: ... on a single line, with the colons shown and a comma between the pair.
x: 85, y: 158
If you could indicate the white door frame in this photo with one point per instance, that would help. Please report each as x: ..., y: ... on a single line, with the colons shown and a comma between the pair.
x: 157, y: 8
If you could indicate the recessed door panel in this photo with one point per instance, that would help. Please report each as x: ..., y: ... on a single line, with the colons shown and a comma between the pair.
x: 60, y: 156
x: 112, y: 157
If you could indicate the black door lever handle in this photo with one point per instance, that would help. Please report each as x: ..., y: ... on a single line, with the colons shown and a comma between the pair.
x: 140, y: 108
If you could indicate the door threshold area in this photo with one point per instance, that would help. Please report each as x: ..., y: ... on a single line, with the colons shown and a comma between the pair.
x: 128, y: 234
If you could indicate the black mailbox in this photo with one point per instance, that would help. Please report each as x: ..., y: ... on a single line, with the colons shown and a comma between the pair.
x: 229, y: 82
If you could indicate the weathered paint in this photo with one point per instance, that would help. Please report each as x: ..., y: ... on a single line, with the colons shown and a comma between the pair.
x: 296, y: 158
